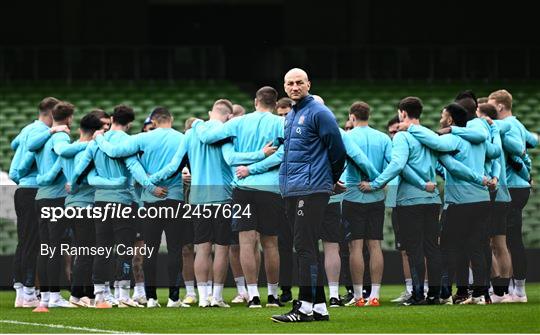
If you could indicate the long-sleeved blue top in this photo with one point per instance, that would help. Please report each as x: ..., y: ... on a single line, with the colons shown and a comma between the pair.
x: 46, y: 157
x: 406, y: 149
x: 110, y: 168
x: 210, y: 167
x: 23, y: 154
x: 156, y: 149
x: 457, y: 189
x: 249, y: 133
x: 83, y: 195
x: 377, y: 147
x: 514, y: 143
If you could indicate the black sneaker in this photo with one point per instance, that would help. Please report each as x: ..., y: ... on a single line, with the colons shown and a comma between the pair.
x: 460, y: 298
x: 294, y: 315
x: 433, y: 301
x: 413, y: 302
x: 335, y: 302
x: 320, y: 317
x: 347, y: 297
x: 285, y: 296
x: 274, y: 302
x: 254, y: 303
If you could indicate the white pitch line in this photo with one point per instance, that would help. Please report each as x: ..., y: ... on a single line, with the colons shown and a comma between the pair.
x: 93, y: 330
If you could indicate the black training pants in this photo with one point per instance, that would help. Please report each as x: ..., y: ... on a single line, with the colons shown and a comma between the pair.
x: 111, y: 232
x: 514, y: 235
x: 153, y: 229
x: 285, y: 246
x: 81, y: 278
x: 24, y: 262
x: 419, y: 227
x: 50, y: 234
x: 463, y: 239
x: 305, y: 215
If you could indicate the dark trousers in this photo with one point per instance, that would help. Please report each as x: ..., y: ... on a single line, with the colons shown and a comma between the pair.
x: 514, y: 235
x: 420, y: 229
x: 305, y: 215
x: 285, y: 246
x: 463, y: 241
x: 81, y: 279
x: 50, y: 234
x: 24, y: 262
x: 153, y: 228
x: 111, y: 232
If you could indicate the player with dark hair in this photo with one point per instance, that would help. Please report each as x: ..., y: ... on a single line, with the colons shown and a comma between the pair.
x: 117, y: 230
x: 24, y: 262
x: 52, y: 195
x: 284, y: 106
x: 103, y: 117
x: 464, y: 231
x: 82, y: 294
x: 417, y: 207
x: 390, y: 202
x: 158, y: 148
x: 364, y: 212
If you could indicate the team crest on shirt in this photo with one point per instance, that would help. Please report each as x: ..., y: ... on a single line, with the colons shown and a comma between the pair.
x: 301, y: 119
x: 300, y: 203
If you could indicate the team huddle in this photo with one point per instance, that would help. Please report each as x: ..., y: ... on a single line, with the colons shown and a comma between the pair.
x: 279, y: 179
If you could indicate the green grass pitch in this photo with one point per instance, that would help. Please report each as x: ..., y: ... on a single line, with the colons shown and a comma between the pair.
x: 511, y: 318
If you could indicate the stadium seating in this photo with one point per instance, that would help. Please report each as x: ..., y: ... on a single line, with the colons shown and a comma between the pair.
x: 18, y: 106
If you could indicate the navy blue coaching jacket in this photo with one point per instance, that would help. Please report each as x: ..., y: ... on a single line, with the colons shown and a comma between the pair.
x: 314, y: 154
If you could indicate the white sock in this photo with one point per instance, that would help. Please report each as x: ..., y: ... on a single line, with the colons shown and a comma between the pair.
x: 203, y: 292
x: 107, y: 288
x: 209, y: 287
x: 511, y: 287
x: 471, y: 277
x: 190, y: 288
x: 357, y: 291
x: 123, y: 288
x: 100, y: 291
x: 240, y: 285
x: 334, y: 290
x: 29, y: 293
x: 218, y: 292
x: 44, y: 302
x: 139, y: 289
x: 519, y: 287
x: 320, y: 308
x: 408, y: 285
x: 272, y: 289
x: 54, y: 296
x: 375, y: 288
x: 426, y: 286
x: 18, y: 290
x: 253, y: 291
x: 116, y: 286
x: 306, y: 307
